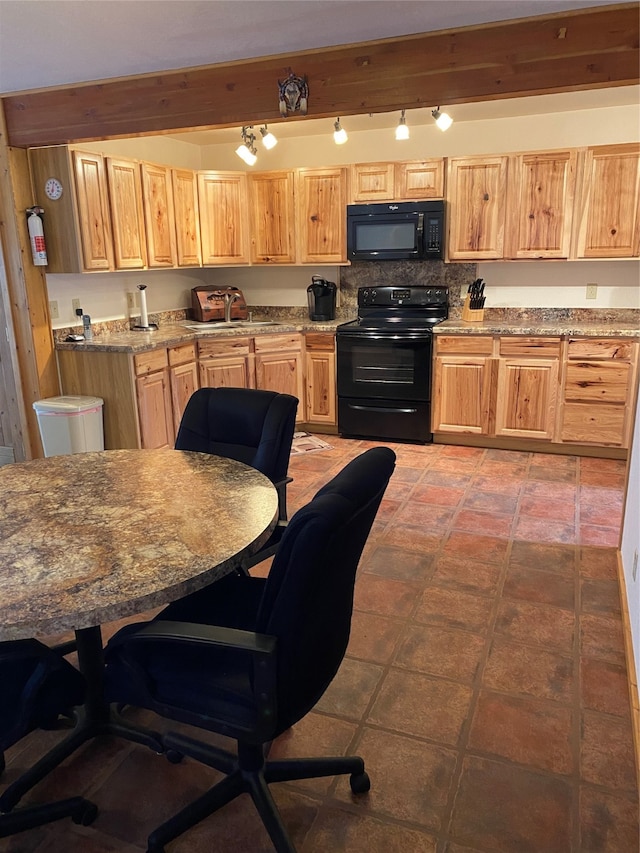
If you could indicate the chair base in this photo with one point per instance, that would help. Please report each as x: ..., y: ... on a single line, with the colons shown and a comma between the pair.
x: 248, y: 772
x: 81, y: 811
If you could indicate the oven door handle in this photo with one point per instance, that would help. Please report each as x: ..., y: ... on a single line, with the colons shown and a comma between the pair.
x: 383, y: 409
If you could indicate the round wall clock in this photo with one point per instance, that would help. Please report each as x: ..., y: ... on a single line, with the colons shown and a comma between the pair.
x: 53, y: 189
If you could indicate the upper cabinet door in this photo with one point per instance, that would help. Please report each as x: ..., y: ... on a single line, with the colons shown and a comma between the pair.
x: 372, y: 182
x: 420, y: 179
x: 187, y: 218
x: 609, y: 223
x: 157, y: 197
x: 222, y: 199
x: 93, y: 211
x: 127, y: 218
x: 477, y: 196
x: 271, y: 200
x: 322, y: 215
x: 541, y: 198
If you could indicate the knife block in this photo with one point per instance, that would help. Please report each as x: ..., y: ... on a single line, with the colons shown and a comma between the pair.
x: 471, y: 315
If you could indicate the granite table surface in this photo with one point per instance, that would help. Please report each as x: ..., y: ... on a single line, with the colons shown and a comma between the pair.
x: 91, y: 537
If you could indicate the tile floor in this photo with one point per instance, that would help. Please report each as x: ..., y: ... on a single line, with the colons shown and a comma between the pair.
x: 484, y: 684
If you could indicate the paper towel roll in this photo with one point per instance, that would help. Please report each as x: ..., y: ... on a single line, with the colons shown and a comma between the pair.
x: 144, y: 317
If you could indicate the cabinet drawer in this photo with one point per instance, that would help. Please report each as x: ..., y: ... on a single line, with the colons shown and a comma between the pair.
x: 271, y: 343
x: 597, y: 380
x: 229, y: 346
x: 318, y: 342
x: 149, y: 362
x: 182, y: 354
x: 516, y: 345
x: 587, y: 424
x: 463, y: 344
x: 621, y: 350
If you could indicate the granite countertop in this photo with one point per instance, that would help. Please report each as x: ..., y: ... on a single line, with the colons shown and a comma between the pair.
x: 174, y: 334
x: 594, y: 329
x: 86, y: 538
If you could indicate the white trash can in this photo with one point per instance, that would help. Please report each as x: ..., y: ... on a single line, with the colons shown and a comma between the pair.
x: 70, y: 424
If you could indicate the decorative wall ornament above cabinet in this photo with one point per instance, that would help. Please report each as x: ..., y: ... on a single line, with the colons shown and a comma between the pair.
x: 293, y: 95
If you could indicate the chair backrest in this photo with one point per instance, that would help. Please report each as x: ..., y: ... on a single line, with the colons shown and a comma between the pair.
x: 246, y: 424
x: 308, y: 597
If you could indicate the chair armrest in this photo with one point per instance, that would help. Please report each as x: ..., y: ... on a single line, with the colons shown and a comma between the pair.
x: 194, y: 633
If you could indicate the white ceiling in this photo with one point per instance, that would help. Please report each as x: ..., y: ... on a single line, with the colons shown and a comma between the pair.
x: 54, y: 42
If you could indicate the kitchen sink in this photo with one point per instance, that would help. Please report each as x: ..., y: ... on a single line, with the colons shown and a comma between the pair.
x: 234, y: 324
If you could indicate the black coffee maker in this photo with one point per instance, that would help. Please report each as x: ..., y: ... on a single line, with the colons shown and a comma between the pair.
x: 321, y: 296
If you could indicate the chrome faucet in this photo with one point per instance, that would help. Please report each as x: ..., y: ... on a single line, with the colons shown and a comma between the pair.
x: 229, y: 299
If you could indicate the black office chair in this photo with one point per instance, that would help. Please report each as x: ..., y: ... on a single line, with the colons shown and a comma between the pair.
x: 251, y: 426
x: 37, y: 686
x: 249, y: 657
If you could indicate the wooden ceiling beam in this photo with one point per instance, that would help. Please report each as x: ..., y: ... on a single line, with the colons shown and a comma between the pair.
x: 583, y: 49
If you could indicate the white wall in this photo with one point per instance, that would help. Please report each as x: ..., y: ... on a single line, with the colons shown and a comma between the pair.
x: 554, y: 284
x: 630, y: 546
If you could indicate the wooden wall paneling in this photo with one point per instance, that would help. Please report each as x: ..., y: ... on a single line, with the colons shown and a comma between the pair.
x: 565, y: 51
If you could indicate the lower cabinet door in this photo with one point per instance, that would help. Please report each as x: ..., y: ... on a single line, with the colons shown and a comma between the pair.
x: 225, y: 372
x: 184, y: 381
x: 585, y: 423
x: 462, y: 394
x: 526, y: 398
x: 154, y: 410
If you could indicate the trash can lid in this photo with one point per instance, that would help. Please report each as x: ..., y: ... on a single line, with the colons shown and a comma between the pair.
x: 67, y: 403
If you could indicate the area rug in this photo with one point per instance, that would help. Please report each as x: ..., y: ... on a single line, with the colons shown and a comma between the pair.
x: 303, y: 442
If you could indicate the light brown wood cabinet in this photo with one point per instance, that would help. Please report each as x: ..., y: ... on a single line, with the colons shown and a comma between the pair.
x: 462, y: 384
x: 398, y: 181
x: 159, y: 217
x: 226, y: 363
x: 321, y: 197
x: 77, y: 224
x: 127, y: 218
x: 609, y: 203
x: 598, y: 385
x: 477, y: 188
x: 320, y: 379
x: 540, y: 204
x: 153, y: 393
x: 272, y: 208
x: 224, y: 225
x: 280, y: 367
x: 183, y: 378
x: 187, y: 218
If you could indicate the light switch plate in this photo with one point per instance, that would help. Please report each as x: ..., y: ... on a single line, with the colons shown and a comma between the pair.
x: 592, y: 291
x: 53, y: 310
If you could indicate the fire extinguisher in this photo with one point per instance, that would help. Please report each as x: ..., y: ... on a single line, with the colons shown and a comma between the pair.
x: 36, y: 235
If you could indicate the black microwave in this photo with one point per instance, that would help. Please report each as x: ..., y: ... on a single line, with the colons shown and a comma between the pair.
x: 408, y: 230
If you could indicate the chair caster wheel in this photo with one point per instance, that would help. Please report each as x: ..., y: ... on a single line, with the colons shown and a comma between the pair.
x: 86, y: 814
x: 174, y: 757
x: 360, y: 782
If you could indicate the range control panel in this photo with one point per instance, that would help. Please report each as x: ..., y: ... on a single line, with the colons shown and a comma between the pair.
x: 391, y: 295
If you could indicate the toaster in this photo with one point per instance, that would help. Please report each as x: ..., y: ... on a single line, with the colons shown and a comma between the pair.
x: 208, y: 303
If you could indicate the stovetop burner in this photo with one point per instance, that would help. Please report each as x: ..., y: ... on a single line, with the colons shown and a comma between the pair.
x: 398, y: 308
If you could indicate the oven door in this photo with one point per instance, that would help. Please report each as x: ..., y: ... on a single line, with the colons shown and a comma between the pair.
x: 382, y: 365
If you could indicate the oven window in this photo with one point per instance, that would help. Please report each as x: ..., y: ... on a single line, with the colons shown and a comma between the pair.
x: 391, y: 365
x: 384, y: 368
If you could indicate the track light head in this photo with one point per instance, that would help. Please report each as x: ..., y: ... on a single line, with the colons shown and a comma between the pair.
x: 443, y: 120
x: 402, y: 131
x: 268, y: 139
x: 247, y: 150
x: 339, y: 133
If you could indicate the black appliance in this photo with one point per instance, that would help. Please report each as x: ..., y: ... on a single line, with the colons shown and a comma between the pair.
x: 384, y: 362
x: 410, y: 230
x: 321, y: 296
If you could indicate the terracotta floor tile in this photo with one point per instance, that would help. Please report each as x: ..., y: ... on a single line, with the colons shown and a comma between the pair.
x: 600, y: 516
x: 483, y: 522
x: 605, y: 757
x: 452, y: 608
x: 599, y: 596
x: 544, y: 556
x: 536, y: 624
x: 598, y: 562
x: 351, y: 690
x: 601, y: 637
x: 415, y: 704
x: 466, y: 574
x: 453, y: 451
x: 447, y: 478
x: 425, y: 515
x: 540, y: 587
x: 551, y: 473
x: 551, y: 491
x: 510, y: 486
x: 543, y: 530
x: 525, y: 730
x: 459, y: 465
x: 488, y: 549
x: 555, y: 460
x: 398, y: 564
x: 602, y: 478
x: 501, y: 468
x: 606, y: 537
x: 491, y: 502
x: 413, y: 538
x: 404, y: 474
x: 529, y: 670
x: 529, y: 811
x: 373, y: 638
x: 541, y: 507
x: 385, y: 596
x: 604, y: 687
x: 437, y: 495
x: 515, y: 457
x: 595, y: 463
x: 609, y: 823
x: 439, y: 651
x: 410, y: 779
x: 337, y: 830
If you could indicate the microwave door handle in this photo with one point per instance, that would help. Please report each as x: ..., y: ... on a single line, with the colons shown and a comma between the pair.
x: 420, y: 231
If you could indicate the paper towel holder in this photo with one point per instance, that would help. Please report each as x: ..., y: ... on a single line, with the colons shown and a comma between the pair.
x: 144, y: 325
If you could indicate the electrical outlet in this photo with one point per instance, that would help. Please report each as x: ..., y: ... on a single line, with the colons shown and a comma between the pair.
x: 592, y: 291
x: 131, y: 300
x: 53, y: 310
x: 634, y: 570
x: 75, y: 305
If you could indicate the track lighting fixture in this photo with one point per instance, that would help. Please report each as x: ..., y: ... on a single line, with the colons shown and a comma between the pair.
x: 339, y: 133
x: 443, y: 120
x: 247, y: 150
x: 268, y: 139
x: 402, y: 131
